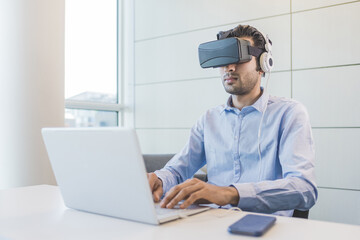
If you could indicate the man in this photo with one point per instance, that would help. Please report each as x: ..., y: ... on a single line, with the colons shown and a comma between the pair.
x: 270, y: 174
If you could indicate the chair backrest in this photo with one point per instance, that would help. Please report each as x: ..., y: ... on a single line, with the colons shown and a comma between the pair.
x: 301, y: 214
x: 157, y: 161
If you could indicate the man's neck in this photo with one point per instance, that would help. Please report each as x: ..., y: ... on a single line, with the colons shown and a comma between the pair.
x: 241, y: 101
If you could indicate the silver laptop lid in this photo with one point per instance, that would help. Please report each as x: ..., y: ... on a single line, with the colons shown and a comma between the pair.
x: 101, y: 170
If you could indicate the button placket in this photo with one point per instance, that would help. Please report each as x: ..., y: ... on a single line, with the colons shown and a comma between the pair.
x: 236, y: 147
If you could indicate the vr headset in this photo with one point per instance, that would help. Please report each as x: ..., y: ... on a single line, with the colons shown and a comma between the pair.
x: 226, y: 51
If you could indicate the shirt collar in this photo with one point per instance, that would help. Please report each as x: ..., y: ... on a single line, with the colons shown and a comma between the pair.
x: 259, y: 105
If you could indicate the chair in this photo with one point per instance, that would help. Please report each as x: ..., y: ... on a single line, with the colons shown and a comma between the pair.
x: 301, y: 214
x: 157, y: 161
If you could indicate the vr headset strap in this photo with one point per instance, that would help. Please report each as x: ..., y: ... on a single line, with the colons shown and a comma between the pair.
x: 254, y: 51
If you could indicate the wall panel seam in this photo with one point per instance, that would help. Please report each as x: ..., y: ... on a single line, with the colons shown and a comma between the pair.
x: 349, y: 127
x: 291, y: 54
x: 209, y: 27
x: 176, y: 81
x: 159, y: 128
x: 176, y: 128
x: 280, y: 71
x: 328, y: 6
x: 194, y: 79
x: 342, y: 189
x: 323, y: 67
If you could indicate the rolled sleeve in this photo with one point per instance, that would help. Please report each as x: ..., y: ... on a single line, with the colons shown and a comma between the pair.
x: 167, y: 178
x: 247, y: 195
x: 272, y: 196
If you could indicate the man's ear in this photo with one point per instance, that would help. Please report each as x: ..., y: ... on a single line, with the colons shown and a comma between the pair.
x: 262, y: 73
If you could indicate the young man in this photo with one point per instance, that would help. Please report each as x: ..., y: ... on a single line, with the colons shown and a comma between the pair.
x: 273, y: 174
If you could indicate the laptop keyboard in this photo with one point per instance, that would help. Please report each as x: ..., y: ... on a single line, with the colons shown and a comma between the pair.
x: 177, y: 210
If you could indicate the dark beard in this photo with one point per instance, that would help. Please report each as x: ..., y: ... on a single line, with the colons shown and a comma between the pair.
x: 243, y: 88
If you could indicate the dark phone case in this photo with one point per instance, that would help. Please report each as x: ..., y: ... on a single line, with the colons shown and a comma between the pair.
x: 253, y: 225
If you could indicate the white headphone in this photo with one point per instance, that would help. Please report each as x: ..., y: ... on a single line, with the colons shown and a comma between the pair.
x: 266, y: 58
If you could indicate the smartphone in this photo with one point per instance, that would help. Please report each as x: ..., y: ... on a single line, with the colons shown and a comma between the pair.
x: 252, y: 225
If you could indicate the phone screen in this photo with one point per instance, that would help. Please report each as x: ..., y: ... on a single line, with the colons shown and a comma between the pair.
x: 253, y: 225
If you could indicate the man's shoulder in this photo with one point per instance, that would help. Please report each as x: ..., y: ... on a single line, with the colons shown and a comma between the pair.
x: 285, y: 103
x: 287, y: 107
x: 212, y: 113
x: 216, y: 110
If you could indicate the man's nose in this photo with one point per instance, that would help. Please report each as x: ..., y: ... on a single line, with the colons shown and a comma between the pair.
x: 230, y: 68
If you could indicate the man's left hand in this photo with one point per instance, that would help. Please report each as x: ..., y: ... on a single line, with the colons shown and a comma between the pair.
x: 197, y: 191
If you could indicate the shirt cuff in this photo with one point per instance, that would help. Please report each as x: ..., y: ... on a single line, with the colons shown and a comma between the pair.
x: 247, y: 194
x: 167, y: 179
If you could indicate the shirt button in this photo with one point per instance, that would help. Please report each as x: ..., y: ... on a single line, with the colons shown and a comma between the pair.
x: 235, y: 137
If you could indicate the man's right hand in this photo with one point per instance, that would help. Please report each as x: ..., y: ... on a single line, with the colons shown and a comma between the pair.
x: 155, y: 186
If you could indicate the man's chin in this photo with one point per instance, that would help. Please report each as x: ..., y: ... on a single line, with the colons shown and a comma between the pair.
x: 233, y: 91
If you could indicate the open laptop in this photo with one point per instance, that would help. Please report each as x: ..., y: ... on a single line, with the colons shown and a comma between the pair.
x: 101, y: 170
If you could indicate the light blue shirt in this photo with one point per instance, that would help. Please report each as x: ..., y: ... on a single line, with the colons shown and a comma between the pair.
x: 226, y: 139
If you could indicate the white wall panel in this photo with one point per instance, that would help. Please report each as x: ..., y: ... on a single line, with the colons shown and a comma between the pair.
x: 172, y: 58
x: 162, y: 141
x: 176, y: 57
x: 299, y: 5
x: 337, y: 159
x: 176, y: 104
x: 279, y: 84
x: 330, y: 95
x: 337, y: 206
x: 326, y: 37
x: 162, y: 17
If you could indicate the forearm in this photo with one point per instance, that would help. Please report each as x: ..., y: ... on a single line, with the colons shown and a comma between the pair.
x: 232, y: 195
x: 271, y: 196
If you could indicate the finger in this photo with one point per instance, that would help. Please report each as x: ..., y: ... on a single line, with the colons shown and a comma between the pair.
x: 184, y: 194
x: 151, y: 179
x: 154, y: 182
x: 174, y: 191
x: 202, y: 201
x: 194, y: 197
x: 157, y: 194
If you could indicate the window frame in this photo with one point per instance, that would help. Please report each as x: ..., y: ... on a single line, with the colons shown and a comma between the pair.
x: 124, y: 72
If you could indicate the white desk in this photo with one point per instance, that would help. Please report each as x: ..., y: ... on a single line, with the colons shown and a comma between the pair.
x: 38, y: 212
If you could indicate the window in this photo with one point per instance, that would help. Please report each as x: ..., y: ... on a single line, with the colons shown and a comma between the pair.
x: 93, y: 89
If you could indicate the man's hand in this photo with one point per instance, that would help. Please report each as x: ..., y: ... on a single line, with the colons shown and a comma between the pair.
x: 155, y: 186
x: 197, y: 191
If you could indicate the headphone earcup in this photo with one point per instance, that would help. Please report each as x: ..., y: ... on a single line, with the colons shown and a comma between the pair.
x: 266, y: 62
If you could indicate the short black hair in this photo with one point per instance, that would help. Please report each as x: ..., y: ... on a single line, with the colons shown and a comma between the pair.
x: 247, y: 31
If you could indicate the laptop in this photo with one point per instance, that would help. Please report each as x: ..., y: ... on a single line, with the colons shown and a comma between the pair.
x: 101, y: 170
